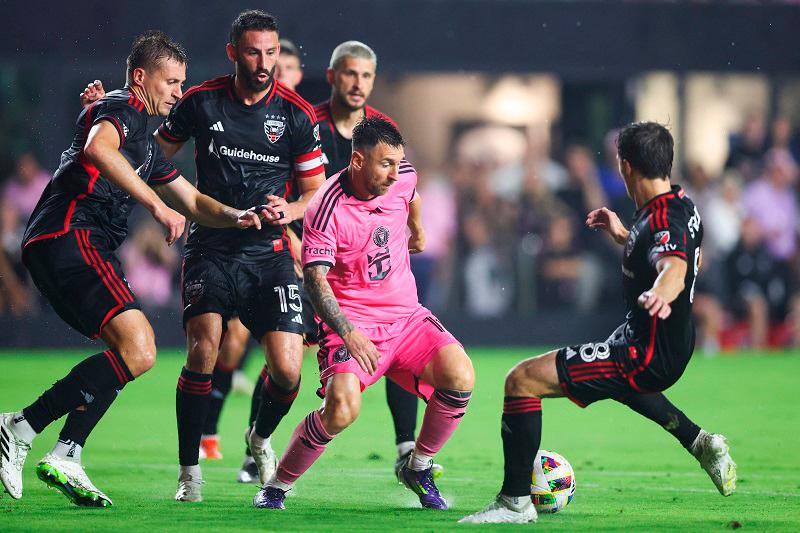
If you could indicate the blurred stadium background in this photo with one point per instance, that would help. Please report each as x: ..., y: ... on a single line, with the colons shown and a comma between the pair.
x: 510, y: 109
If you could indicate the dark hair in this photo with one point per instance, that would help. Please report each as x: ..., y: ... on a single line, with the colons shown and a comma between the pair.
x: 288, y: 48
x: 150, y: 48
x: 647, y: 146
x: 252, y: 19
x: 369, y: 132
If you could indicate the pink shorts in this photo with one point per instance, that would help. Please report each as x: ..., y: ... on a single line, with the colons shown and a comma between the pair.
x: 405, y: 348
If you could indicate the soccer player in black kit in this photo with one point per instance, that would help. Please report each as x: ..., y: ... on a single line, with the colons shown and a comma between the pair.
x: 69, y: 249
x: 252, y: 136
x: 647, y: 354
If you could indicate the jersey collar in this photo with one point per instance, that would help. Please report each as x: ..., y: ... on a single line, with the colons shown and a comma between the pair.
x: 675, y: 190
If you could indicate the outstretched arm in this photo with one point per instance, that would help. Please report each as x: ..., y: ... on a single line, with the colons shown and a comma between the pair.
x: 321, y: 294
x: 282, y: 212
x: 608, y: 220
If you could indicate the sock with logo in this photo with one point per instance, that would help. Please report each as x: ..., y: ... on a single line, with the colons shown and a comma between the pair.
x: 657, y: 408
x: 521, y: 430
x: 444, y: 413
x: 89, y: 379
x: 306, y: 445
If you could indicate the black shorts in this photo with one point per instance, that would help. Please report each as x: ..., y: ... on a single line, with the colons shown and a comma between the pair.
x: 612, y: 369
x: 81, y: 278
x: 265, y: 295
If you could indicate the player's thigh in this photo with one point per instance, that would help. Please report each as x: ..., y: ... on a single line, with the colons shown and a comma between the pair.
x: 269, y: 298
x: 450, y: 368
x: 234, y: 343
x: 284, y: 354
x: 207, y: 288
x: 537, y: 376
x: 342, y: 402
x: 131, y: 335
x: 203, y: 335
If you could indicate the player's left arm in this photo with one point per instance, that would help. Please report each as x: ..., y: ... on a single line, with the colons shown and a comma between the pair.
x: 668, y: 285
x: 279, y: 211
x: 204, y: 210
x: 416, y: 242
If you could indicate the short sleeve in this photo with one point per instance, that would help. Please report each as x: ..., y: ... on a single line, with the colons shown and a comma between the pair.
x: 180, y: 123
x: 125, y: 119
x: 163, y: 170
x: 306, y: 148
x: 408, y: 180
x: 319, y: 240
x: 669, y: 236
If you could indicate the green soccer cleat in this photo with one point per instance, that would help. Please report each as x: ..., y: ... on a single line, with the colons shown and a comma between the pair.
x: 70, y: 478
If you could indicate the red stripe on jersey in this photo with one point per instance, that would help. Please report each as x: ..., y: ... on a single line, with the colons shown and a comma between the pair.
x: 679, y: 254
x: 595, y: 376
x: 216, y: 83
x: 167, y: 135
x: 168, y: 176
x: 648, y: 357
x: 295, y: 99
x: 664, y: 214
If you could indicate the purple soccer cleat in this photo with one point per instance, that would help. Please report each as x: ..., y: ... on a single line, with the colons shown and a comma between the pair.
x: 269, y: 498
x: 421, y: 482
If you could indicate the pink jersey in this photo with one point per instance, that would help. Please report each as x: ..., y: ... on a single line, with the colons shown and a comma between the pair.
x: 366, y: 245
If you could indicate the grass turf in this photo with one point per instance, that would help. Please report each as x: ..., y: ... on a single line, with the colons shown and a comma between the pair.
x: 631, y: 474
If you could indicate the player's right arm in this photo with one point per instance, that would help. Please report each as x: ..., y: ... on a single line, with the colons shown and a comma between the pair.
x: 608, y: 220
x: 321, y: 294
x: 102, y: 150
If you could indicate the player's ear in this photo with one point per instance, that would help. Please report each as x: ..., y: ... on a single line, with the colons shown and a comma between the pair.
x: 357, y: 159
x: 137, y: 76
x: 329, y: 76
x: 231, y: 51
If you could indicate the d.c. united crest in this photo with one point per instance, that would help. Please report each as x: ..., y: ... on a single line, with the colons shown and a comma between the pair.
x: 274, y: 126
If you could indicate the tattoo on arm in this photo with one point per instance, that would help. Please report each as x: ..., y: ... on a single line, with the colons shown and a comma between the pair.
x: 321, y: 295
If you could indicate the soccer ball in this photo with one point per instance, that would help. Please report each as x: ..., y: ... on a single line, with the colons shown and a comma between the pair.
x: 553, y: 483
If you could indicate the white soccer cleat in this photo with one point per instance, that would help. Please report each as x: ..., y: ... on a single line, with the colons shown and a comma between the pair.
x: 189, y: 489
x: 713, y: 453
x: 264, y: 457
x: 13, y: 452
x: 248, y: 473
x: 241, y: 384
x: 70, y: 478
x: 500, y: 512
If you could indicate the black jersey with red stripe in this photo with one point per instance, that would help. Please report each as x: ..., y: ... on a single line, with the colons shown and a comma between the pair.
x: 668, y: 224
x: 78, y: 196
x: 244, y: 153
x: 336, y: 149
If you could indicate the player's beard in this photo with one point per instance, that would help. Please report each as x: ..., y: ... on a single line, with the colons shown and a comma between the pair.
x: 251, y: 79
x: 347, y: 105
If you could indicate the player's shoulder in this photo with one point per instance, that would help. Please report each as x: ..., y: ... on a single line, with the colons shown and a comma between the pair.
x: 120, y: 99
x: 208, y: 89
x: 323, y: 111
x: 371, y: 112
x: 325, y: 201
x: 295, y: 102
x: 407, y: 174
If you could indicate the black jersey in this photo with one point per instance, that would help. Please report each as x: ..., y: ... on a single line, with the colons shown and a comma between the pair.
x: 244, y: 153
x: 78, y: 196
x: 336, y: 149
x: 668, y: 224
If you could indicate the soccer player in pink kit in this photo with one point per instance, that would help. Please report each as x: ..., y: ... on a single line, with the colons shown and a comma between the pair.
x: 356, y: 265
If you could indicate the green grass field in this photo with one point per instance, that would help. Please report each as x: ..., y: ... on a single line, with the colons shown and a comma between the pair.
x: 631, y: 474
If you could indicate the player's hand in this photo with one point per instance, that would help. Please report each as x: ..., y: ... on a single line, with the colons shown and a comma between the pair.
x: 92, y: 93
x: 251, y: 218
x: 172, y: 221
x: 607, y: 220
x: 363, y: 350
x: 416, y: 243
x: 279, y: 211
x: 654, y: 304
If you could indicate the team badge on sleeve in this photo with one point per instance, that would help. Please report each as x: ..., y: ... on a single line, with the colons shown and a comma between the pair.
x: 274, y: 126
x: 662, y: 237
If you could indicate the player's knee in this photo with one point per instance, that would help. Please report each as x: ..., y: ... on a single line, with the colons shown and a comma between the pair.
x: 462, y: 378
x: 139, y: 351
x: 286, y: 373
x: 519, y: 382
x: 202, y: 354
x: 341, y: 410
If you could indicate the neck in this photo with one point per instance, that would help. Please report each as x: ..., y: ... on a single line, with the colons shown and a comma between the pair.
x: 141, y: 95
x: 246, y: 95
x: 357, y: 187
x: 344, y: 118
x: 646, y: 189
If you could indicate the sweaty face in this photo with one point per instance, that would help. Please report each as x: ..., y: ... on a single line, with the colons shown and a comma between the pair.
x: 163, y: 85
x: 352, y: 82
x: 289, y: 70
x: 256, y: 58
x: 380, y: 166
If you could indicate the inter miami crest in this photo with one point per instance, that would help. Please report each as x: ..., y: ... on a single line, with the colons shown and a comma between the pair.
x: 274, y: 126
x: 380, y: 236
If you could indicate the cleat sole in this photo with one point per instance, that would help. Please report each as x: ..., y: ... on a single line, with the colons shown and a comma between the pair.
x: 54, y: 479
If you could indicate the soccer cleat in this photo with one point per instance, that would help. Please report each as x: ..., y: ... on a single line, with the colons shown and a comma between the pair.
x: 437, y: 470
x: 241, y: 384
x: 713, y: 453
x: 264, y: 457
x: 209, y: 448
x: 421, y: 483
x: 269, y: 498
x: 249, y: 471
x: 500, y: 511
x: 13, y: 452
x: 189, y: 489
x: 70, y: 478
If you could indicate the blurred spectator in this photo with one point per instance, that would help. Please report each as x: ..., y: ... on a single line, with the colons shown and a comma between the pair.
x: 19, y: 198
x: 488, y: 285
x: 583, y: 191
x: 718, y: 204
x: 747, y: 147
x: 149, y: 265
x: 15, y: 297
x: 771, y: 202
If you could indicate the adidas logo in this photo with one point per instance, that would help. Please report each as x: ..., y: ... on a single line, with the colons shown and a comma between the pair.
x: 217, y: 126
x: 298, y: 319
x: 5, y: 447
